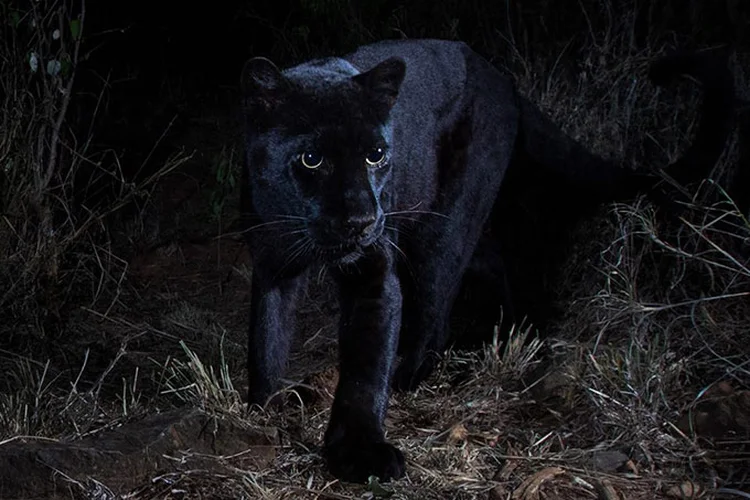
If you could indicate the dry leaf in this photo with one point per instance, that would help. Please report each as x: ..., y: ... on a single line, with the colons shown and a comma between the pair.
x: 630, y: 466
x: 498, y: 493
x: 605, y: 490
x: 529, y: 488
x: 687, y: 489
x: 458, y: 434
x: 508, y: 467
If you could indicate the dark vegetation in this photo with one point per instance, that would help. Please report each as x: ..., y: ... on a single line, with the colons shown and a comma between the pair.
x: 124, y: 291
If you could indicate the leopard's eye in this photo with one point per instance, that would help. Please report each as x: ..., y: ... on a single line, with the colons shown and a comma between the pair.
x: 311, y: 159
x: 375, y: 157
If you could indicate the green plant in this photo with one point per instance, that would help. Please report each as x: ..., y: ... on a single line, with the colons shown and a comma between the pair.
x: 225, y: 172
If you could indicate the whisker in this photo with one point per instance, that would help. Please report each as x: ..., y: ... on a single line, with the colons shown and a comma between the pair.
x: 279, y: 219
x: 399, y: 230
x: 426, y: 212
x: 321, y: 274
x: 305, y: 247
x: 290, y: 217
x: 300, y: 248
x: 397, y: 248
x: 409, y: 219
x: 295, y: 248
x: 403, y: 255
x: 408, y: 230
x: 415, y: 206
x: 253, y: 228
x: 291, y: 233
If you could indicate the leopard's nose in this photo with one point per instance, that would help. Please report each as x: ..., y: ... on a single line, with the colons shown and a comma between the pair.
x: 360, y: 226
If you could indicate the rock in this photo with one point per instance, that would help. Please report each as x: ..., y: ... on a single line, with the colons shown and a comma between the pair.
x: 121, y: 458
x: 607, y: 460
x: 720, y: 413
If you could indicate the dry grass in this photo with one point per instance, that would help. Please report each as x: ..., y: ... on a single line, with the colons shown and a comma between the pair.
x: 56, y: 251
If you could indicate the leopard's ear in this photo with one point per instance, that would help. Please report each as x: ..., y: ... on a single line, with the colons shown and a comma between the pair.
x: 264, y: 87
x: 384, y: 80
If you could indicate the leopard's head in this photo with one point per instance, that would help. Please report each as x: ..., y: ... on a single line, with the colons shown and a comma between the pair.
x: 318, y: 152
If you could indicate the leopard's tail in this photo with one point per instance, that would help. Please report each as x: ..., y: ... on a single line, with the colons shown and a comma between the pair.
x: 546, y: 145
x: 710, y: 68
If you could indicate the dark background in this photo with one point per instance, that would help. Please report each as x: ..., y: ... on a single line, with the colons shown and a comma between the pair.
x: 176, y: 59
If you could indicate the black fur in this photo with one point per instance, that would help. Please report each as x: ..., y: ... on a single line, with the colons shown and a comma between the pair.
x: 395, y: 167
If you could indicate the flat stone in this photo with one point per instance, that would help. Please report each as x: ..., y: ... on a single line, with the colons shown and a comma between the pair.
x: 122, y: 458
x: 607, y: 460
